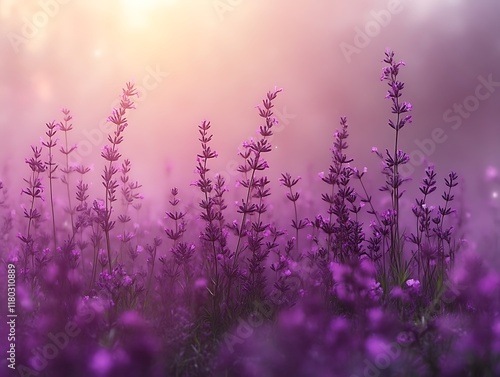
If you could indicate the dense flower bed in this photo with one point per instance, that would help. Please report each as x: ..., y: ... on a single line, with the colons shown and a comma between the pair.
x: 332, y: 295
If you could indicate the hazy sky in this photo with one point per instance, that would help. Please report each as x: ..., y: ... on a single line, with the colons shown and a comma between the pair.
x: 215, y: 60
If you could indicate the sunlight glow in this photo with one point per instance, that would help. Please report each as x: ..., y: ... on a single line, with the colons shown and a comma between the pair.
x: 136, y: 12
x: 141, y: 5
x: 6, y: 8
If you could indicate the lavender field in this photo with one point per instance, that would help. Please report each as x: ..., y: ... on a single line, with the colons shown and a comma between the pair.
x: 150, y: 236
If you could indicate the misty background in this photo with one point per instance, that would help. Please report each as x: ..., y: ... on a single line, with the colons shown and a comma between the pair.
x: 216, y: 60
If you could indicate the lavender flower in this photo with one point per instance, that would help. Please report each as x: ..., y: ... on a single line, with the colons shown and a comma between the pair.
x: 110, y: 154
x: 204, y: 296
x: 66, y: 170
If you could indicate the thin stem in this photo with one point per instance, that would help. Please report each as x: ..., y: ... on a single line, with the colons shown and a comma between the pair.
x: 250, y: 187
x: 395, y: 200
x: 108, y: 215
x: 296, y: 223
x: 369, y: 201
x: 68, y: 181
x: 52, y: 199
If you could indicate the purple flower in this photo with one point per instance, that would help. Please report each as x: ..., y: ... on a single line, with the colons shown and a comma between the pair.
x: 101, y: 362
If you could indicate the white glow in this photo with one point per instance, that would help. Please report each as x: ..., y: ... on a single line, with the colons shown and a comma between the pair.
x: 141, y: 5
x: 137, y: 12
x: 6, y: 8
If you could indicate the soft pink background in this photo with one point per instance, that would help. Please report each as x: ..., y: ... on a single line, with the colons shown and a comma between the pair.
x: 220, y: 65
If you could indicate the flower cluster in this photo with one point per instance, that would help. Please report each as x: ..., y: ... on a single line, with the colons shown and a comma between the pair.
x: 103, y: 292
